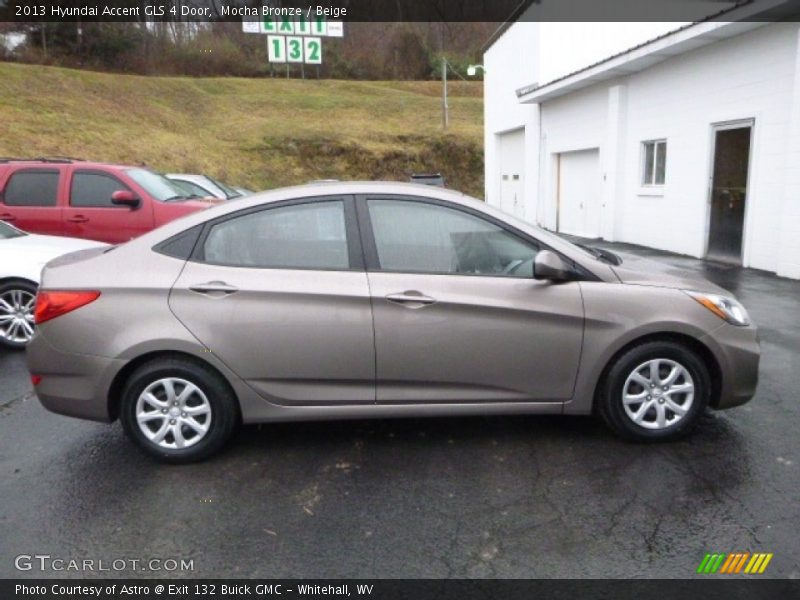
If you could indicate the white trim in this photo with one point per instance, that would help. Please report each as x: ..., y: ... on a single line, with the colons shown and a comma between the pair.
x: 656, y: 191
x: 648, y: 54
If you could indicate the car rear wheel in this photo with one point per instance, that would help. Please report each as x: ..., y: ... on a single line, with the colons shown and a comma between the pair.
x: 17, y: 302
x: 655, y: 391
x: 178, y: 410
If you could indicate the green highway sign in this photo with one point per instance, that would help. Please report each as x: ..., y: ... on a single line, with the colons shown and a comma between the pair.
x: 295, y: 40
x: 294, y: 49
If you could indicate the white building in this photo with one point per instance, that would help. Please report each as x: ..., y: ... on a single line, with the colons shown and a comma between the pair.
x: 688, y: 141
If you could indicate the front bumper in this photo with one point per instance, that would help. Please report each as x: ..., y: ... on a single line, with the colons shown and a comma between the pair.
x: 738, y: 353
x: 76, y: 385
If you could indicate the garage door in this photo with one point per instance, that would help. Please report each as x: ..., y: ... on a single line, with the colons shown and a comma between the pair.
x: 512, y: 176
x: 579, y: 193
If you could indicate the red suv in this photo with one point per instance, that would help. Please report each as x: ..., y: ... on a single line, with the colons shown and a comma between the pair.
x: 96, y: 201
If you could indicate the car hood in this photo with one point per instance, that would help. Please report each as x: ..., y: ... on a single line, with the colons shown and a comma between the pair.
x: 642, y: 271
x: 202, y: 202
x: 46, y: 247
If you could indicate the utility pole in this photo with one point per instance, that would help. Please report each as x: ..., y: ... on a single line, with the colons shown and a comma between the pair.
x: 444, y: 93
x: 44, y: 39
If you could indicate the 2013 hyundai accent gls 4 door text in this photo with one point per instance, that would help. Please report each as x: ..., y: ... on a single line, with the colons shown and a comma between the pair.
x: 348, y: 300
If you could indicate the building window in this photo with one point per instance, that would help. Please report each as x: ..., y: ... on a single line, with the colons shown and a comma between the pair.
x: 654, y: 162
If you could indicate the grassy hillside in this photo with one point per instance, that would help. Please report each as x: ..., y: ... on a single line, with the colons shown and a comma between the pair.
x: 257, y: 133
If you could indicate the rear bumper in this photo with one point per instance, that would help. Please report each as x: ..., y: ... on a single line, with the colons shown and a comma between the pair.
x: 738, y: 353
x: 72, y: 384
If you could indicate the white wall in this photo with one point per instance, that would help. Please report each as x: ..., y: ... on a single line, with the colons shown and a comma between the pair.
x: 749, y: 76
x: 572, y: 46
x: 579, y: 124
x: 510, y: 63
x: 536, y: 52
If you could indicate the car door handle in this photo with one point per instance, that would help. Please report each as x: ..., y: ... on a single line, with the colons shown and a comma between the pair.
x: 214, y: 287
x: 411, y: 299
x: 78, y: 219
x: 7, y: 217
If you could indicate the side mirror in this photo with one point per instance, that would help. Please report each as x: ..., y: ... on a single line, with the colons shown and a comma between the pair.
x: 125, y: 198
x: 549, y: 265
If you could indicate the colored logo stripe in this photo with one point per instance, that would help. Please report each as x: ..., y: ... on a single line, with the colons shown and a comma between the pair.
x: 710, y: 563
x: 758, y: 563
x: 734, y: 563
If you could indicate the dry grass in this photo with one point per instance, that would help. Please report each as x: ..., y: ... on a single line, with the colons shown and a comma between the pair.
x: 259, y: 133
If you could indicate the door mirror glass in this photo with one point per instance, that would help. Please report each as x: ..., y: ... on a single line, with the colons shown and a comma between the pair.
x: 125, y: 198
x: 550, y: 266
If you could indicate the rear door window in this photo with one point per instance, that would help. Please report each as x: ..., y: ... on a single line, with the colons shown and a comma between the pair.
x: 34, y: 187
x: 94, y: 189
x: 301, y: 236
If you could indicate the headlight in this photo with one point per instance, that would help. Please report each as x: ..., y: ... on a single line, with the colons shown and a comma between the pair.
x: 724, y: 307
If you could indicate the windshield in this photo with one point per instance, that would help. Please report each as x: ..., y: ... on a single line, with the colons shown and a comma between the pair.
x: 229, y: 191
x: 8, y: 232
x: 155, y: 184
x: 192, y: 190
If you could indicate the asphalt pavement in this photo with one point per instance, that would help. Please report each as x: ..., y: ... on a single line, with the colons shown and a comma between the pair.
x: 468, y: 497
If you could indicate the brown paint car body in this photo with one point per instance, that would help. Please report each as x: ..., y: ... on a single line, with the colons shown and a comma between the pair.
x: 300, y: 344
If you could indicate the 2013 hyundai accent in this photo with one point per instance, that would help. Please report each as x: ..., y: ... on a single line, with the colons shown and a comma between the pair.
x: 349, y: 300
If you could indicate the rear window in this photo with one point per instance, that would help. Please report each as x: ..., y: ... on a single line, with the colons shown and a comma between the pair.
x: 32, y: 188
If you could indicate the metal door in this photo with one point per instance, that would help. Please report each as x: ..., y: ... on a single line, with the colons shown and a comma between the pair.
x: 729, y: 192
x: 512, y: 176
x: 579, y: 193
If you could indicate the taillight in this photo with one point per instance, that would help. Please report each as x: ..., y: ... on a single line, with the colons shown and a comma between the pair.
x: 51, y: 304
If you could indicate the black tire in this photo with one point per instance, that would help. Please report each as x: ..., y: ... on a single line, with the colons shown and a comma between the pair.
x: 6, y: 287
x: 224, y: 409
x: 610, y: 392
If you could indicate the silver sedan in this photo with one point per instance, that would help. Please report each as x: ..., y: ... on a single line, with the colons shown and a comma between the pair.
x: 350, y: 300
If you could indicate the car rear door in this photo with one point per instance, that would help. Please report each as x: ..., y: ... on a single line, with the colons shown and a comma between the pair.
x: 280, y: 295
x: 458, y: 316
x: 30, y: 199
x: 90, y: 214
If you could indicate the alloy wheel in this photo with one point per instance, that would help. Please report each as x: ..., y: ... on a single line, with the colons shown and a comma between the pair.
x: 173, y: 413
x: 658, y: 393
x: 16, y: 315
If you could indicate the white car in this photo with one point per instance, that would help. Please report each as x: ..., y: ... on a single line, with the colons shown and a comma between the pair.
x: 22, y: 256
x: 206, y: 187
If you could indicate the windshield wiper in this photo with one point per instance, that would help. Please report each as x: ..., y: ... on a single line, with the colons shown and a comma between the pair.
x: 173, y: 198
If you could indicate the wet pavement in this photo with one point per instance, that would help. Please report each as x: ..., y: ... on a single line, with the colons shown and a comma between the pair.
x: 467, y: 497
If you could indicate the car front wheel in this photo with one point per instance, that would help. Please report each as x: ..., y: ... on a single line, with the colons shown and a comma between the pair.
x: 17, y: 302
x: 655, y: 391
x: 178, y: 410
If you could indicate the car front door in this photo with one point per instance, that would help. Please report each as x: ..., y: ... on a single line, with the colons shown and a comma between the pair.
x: 91, y: 215
x: 458, y: 315
x: 280, y: 295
